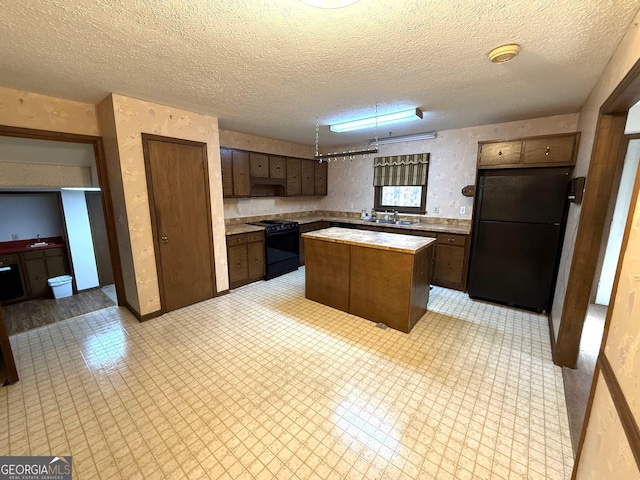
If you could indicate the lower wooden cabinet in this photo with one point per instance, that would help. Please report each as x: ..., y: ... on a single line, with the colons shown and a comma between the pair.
x: 450, y: 263
x: 450, y: 257
x: 40, y: 266
x: 309, y: 227
x: 245, y: 256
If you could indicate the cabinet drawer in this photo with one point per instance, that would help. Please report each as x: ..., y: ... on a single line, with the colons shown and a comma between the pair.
x: 555, y: 150
x: 255, y: 237
x: 452, y: 239
x: 33, y: 255
x: 237, y: 239
x: 8, y: 259
x: 501, y: 153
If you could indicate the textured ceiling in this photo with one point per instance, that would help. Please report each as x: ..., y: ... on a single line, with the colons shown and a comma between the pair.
x: 270, y: 67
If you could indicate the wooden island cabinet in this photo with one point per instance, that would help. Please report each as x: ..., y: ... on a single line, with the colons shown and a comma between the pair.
x: 383, y: 277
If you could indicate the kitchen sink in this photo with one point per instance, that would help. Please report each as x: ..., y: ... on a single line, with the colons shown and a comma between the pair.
x: 403, y: 222
x: 388, y: 222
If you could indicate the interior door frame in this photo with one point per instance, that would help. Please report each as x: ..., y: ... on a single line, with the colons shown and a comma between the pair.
x: 146, y: 137
x: 609, y: 147
x: 103, y: 181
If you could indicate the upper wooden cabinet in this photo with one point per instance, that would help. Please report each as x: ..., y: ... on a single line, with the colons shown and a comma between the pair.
x: 277, y: 167
x: 254, y: 174
x: 235, y: 173
x: 294, y: 181
x: 544, y: 151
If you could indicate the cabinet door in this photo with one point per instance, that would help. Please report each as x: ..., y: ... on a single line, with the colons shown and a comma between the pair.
x: 307, y: 170
x: 277, y: 167
x: 259, y: 165
x: 256, y: 259
x: 56, y: 261
x: 241, y: 180
x: 237, y: 258
x: 499, y: 154
x: 320, y: 172
x: 448, y: 268
x: 552, y: 150
x: 36, y: 275
x: 293, y: 176
x: 226, y: 163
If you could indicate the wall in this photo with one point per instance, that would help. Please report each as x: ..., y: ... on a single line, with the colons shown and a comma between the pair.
x: 37, y: 175
x: 606, y: 452
x: 246, y: 207
x: 31, y: 110
x: 80, y: 241
x: 28, y: 215
x: 132, y: 117
x: 452, y: 165
x: 625, y: 56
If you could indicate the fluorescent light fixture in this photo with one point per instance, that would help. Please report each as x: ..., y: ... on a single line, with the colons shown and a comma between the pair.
x: 82, y: 189
x: 381, y: 120
x: 329, y: 3
x: 404, y: 138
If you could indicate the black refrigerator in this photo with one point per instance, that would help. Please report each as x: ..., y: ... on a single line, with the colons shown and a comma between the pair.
x: 517, y: 236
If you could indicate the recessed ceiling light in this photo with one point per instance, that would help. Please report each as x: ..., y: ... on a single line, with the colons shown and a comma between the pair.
x: 504, y: 53
x: 329, y: 3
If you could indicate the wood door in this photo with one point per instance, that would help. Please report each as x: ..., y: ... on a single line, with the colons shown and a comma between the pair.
x: 99, y: 237
x: 37, y: 275
x: 552, y: 150
x: 307, y: 169
x: 499, y: 154
x: 178, y: 181
x: 226, y: 164
x: 255, y: 259
x: 293, y: 176
x: 57, y: 265
x: 238, y: 263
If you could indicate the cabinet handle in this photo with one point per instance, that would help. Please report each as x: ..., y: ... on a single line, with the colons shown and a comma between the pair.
x: 164, y: 239
x: 451, y: 240
x: 500, y: 153
x: 546, y: 152
x: 238, y: 265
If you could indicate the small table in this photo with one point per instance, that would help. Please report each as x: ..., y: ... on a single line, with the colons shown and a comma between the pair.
x: 383, y: 277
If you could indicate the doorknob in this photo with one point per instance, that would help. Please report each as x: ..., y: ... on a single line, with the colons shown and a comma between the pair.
x: 164, y: 239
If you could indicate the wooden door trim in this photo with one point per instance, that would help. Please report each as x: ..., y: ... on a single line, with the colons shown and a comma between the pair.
x: 146, y: 138
x: 595, y: 203
x: 103, y: 180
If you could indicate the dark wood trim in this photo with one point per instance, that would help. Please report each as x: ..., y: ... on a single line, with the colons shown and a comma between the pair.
x: 585, y: 423
x: 223, y: 292
x: 103, y: 180
x: 552, y: 333
x: 627, y: 419
x: 626, y: 94
x: 604, y: 160
x: 146, y: 316
x: 146, y: 137
x: 7, y: 355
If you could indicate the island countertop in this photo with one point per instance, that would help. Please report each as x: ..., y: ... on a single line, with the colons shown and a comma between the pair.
x: 380, y: 240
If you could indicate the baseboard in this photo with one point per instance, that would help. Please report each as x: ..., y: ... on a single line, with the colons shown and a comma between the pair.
x: 142, y: 318
x: 223, y: 292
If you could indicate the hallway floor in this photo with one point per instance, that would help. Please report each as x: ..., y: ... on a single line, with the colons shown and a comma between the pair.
x: 263, y: 383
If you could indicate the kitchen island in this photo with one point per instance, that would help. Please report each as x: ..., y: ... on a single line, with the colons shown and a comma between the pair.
x: 383, y: 277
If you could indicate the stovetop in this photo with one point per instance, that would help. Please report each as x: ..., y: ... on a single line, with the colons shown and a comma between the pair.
x: 273, y: 226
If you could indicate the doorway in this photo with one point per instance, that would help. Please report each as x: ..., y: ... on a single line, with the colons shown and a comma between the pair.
x: 180, y: 208
x: 39, y: 163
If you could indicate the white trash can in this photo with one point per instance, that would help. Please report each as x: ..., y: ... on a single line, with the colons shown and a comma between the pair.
x: 61, y: 286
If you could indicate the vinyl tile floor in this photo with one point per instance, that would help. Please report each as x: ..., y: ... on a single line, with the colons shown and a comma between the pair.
x: 263, y: 383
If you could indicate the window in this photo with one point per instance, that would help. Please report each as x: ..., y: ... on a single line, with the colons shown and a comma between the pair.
x: 401, y: 183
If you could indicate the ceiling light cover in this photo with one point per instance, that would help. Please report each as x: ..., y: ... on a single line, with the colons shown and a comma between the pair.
x: 504, y: 53
x: 380, y: 120
x: 329, y: 3
x: 404, y: 138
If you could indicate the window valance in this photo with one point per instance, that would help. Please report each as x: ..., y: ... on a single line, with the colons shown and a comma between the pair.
x: 403, y: 170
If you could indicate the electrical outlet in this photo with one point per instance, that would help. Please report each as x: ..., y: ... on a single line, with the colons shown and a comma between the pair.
x: 351, y: 206
x: 436, y: 209
x: 15, y: 236
x: 463, y: 210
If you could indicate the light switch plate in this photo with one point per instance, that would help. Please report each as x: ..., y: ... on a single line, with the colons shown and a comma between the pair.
x: 463, y: 210
x: 15, y: 236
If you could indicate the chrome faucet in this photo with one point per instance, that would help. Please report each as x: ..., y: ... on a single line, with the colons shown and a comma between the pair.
x: 38, y: 238
x: 395, y: 216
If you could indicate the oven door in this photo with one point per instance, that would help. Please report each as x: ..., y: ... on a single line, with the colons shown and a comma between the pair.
x: 10, y: 282
x: 282, y: 253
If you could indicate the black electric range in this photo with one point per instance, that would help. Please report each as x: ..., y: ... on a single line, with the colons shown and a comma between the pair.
x: 282, y: 246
